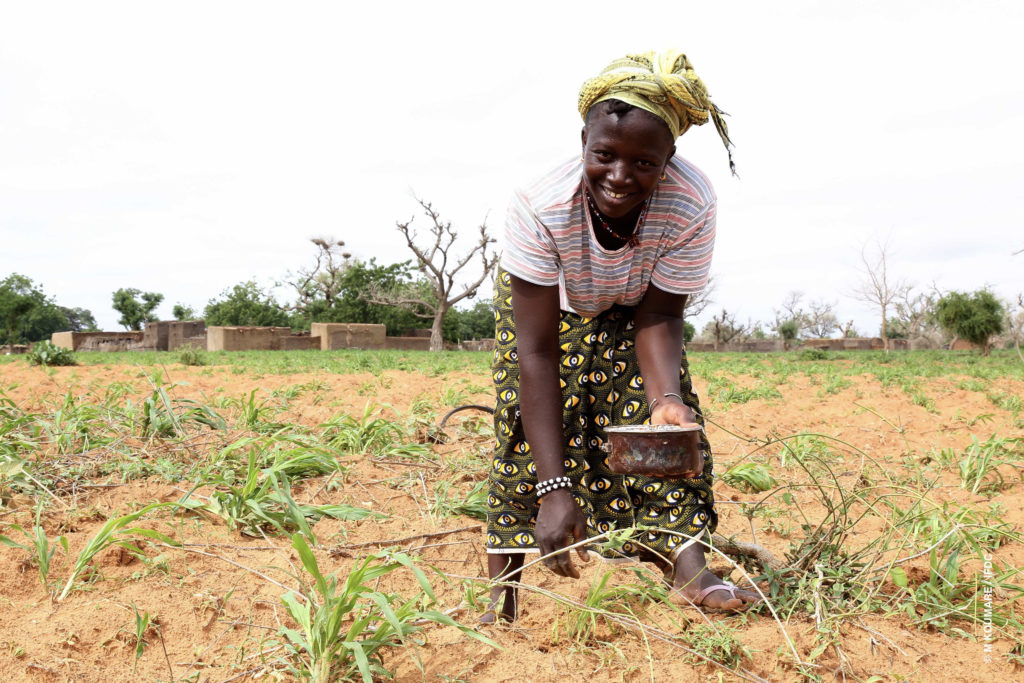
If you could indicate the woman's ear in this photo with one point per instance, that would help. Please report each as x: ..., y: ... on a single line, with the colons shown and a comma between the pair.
x: 671, y: 153
x: 583, y: 137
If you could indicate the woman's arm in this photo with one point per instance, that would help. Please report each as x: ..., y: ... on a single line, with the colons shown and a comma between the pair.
x: 560, y: 521
x: 659, y: 349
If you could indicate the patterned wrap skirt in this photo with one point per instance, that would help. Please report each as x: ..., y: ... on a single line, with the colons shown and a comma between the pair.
x: 601, y: 386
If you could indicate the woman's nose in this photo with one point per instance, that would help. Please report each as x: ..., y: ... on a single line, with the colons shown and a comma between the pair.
x: 618, y: 172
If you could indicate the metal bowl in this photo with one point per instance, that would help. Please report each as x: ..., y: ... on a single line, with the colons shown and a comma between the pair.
x: 655, y: 450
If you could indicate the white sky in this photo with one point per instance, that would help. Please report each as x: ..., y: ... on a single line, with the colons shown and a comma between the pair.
x: 185, y: 147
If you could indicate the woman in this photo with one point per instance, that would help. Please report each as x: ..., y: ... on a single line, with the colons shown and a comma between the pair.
x: 599, y: 257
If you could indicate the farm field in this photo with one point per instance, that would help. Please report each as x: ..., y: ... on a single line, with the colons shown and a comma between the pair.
x: 168, y: 522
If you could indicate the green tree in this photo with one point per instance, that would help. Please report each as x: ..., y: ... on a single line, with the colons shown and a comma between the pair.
x: 135, y: 306
x: 789, y: 330
x: 334, y: 290
x: 28, y: 315
x: 18, y: 298
x: 246, y: 304
x: 471, y: 323
x: 183, y: 312
x: 79, y: 319
x: 975, y: 317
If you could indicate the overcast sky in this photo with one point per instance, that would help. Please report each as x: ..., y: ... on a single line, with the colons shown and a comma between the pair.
x: 185, y: 147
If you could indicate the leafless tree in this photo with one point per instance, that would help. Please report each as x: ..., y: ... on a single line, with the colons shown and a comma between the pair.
x: 323, y: 280
x: 696, y: 303
x: 820, y: 320
x: 724, y: 327
x: 847, y: 329
x: 440, y: 267
x: 877, y: 286
x: 914, y: 314
x: 817, y: 322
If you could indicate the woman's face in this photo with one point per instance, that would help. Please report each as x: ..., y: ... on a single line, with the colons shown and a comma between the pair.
x: 623, y: 159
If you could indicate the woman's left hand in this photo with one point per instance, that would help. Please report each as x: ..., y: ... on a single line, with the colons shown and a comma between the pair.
x: 671, y: 411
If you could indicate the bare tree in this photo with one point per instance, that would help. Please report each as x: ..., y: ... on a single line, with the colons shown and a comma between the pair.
x: 914, y: 315
x: 440, y: 267
x: 877, y: 287
x: 725, y: 328
x: 820, y: 321
x: 817, y: 322
x: 696, y: 303
x: 324, y: 280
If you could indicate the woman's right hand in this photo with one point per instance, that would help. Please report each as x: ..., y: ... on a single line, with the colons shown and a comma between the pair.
x: 560, y: 523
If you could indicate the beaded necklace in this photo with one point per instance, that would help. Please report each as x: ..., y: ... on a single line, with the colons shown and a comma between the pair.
x: 630, y: 239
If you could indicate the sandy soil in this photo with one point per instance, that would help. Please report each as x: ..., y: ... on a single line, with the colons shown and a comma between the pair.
x: 215, y: 607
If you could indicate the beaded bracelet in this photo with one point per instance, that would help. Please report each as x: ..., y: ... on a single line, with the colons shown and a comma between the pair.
x: 549, y: 485
x: 650, y: 406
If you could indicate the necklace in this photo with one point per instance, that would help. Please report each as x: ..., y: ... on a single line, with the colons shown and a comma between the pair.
x: 631, y: 238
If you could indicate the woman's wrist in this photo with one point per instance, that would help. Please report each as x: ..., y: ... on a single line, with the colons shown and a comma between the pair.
x: 663, y: 399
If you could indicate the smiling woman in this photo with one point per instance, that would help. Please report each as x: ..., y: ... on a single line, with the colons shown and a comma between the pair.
x: 599, y: 257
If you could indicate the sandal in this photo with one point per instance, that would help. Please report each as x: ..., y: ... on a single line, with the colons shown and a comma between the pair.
x: 698, y: 600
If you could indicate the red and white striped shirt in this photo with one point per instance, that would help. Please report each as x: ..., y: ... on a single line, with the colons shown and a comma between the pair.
x: 549, y: 240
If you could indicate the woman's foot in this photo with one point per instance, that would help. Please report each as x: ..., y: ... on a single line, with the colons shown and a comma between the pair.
x: 504, y: 599
x: 694, y: 582
x: 502, y: 606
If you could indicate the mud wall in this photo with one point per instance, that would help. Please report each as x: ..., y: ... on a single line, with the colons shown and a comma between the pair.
x: 349, y: 335
x: 98, y: 341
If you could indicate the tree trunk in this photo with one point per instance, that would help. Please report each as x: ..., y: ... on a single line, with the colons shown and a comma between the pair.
x: 885, y: 339
x: 436, y: 338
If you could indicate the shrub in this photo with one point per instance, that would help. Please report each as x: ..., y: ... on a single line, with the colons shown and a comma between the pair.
x: 47, y: 353
x: 190, y: 355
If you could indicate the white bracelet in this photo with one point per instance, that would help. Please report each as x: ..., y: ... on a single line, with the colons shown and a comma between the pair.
x: 549, y: 485
x: 650, y: 407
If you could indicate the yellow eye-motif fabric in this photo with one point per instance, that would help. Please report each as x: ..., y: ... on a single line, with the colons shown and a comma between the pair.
x: 524, y: 488
x: 598, y: 377
x: 600, y: 484
x: 523, y: 539
x: 493, y: 501
x: 563, y: 327
x: 512, y: 356
x: 575, y: 441
x: 582, y: 420
x: 499, y: 375
x: 509, y: 396
x: 506, y: 336
x: 630, y: 409
x: 509, y: 469
x: 521, y: 447
x: 561, y: 383
x: 624, y: 345
x: 674, y: 496
x: 618, y: 368
x: 613, y: 396
x: 603, y: 527
x: 618, y: 504
x: 602, y: 419
x: 651, y: 488
x: 637, y: 382
x: 505, y: 520
x: 590, y: 338
x: 504, y: 428
x: 571, y: 402
x: 570, y: 464
x: 675, y: 513
x: 573, y: 360
x: 515, y: 504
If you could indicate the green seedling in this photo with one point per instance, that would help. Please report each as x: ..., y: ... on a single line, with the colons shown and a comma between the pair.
x: 39, y: 546
x: 345, y: 628
x: 115, y: 532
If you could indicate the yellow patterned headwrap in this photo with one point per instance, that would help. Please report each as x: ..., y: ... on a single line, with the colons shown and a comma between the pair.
x: 663, y: 83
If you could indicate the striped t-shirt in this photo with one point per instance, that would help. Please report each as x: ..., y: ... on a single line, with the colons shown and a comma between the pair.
x: 549, y: 240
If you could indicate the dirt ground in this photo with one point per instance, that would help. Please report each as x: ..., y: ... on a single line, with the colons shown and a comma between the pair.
x: 216, y: 608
